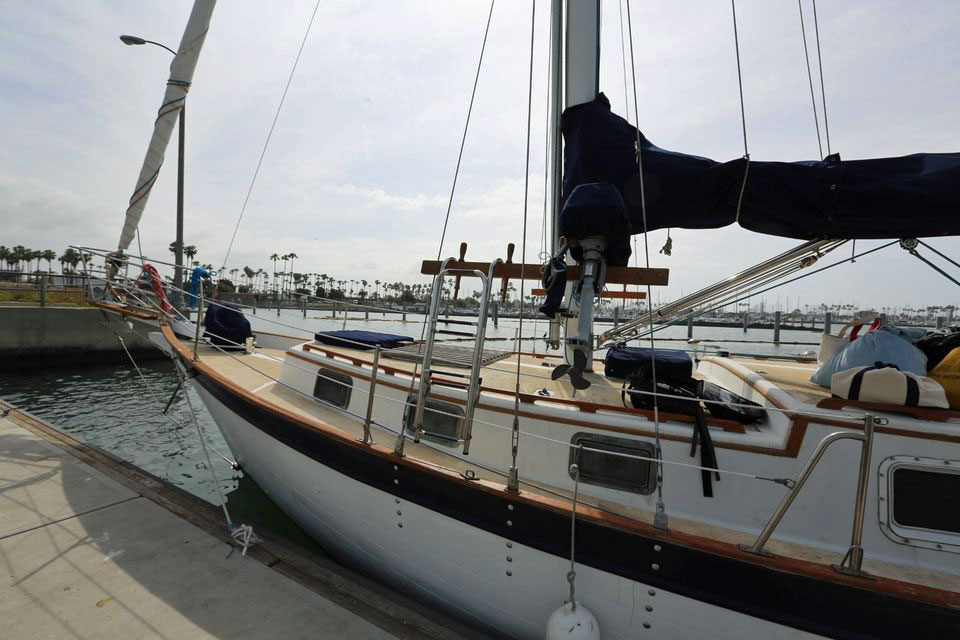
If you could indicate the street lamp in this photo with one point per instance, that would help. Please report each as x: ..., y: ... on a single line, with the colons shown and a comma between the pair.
x: 178, y: 247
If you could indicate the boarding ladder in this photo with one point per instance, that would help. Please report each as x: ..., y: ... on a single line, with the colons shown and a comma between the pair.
x: 476, y: 359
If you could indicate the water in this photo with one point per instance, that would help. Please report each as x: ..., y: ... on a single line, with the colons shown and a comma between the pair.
x: 109, y: 407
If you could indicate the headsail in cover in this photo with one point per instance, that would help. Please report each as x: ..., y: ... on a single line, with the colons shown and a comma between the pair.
x: 906, y: 197
x: 181, y: 74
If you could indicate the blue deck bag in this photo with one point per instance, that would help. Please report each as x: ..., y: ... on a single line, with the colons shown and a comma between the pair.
x: 870, y: 348
x: 671, y: 364
x: 363, y: 340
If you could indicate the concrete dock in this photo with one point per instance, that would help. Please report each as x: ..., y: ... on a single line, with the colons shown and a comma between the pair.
x: 91, y: 547
x: 35, y: 336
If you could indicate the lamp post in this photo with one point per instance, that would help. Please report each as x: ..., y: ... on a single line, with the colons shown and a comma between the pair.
x: 178, y: 246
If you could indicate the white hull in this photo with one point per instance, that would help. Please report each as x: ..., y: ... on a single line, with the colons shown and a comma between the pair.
x: 460, y: 568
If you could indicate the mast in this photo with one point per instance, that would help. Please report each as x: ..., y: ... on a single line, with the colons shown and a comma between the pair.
x: 574, y: 67
x: 181, y: 75
x: 582, y: 52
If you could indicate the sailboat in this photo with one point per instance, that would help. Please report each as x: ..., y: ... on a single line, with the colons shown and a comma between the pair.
x: 518, y: 489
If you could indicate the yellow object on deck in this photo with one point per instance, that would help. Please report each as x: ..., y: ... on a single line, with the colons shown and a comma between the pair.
x: 947, y: 373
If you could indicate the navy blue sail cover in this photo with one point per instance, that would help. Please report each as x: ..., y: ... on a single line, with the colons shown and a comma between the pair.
x: 363, y: 340
x: 910, y: 196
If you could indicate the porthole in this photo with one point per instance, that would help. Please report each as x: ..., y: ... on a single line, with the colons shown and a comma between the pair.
x: 915, y: 497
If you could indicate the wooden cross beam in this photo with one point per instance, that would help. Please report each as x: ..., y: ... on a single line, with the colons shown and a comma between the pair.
x: 618, y: 295
x: 615, y: 275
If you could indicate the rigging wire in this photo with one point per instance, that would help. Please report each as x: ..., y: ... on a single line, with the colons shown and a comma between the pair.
x: 660, y: 519
x: 823, y: 93
x: 515, y: 436
x: 446, y: 218
x: 266, y: 143
x: 813, y: 97
x: 743, y: 110
x: 753, y: 292
x: 466, y: 127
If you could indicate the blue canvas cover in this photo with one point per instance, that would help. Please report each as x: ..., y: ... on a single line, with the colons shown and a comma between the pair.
x: 906, y: 197
x: 867, y: 350
x: 226, y: 326
x: 366, y: 339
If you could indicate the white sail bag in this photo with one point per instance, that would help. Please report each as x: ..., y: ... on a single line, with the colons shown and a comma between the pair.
x: 886, y: 383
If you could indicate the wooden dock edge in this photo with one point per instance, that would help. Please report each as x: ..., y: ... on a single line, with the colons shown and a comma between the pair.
x: 376, y: 603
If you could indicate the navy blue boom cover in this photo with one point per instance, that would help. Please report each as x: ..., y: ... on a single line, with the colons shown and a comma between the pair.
x: 905, y: 197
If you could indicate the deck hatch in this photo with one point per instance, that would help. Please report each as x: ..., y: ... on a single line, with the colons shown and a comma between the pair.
x: 333, y: 387
x: 442, y: 421
x: 447, y: 354
x: 614, y: 471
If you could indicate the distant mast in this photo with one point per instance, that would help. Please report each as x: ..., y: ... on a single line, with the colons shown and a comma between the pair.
x: 181, y: 75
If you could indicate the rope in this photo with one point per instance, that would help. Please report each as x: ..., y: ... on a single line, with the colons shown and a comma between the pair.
x: 736, y: 44
x: 806, y: 56
x: 743, y: 109
x: 948, y: 259
x: 242, y: 534
x: 660, y: 518
x: 466, y: 127
x: 157, y: 400
x: 823, y: 93
x: 572, y: 574
x: 515, y: 440
x: 786, y: 282
x: 266, y: 143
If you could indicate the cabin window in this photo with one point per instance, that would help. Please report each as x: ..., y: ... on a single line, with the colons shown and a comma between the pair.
x: 442, y: 421
x: 916, y: 497
x: 333, y: 387
x: 602, y: 462
x: 926, y: 499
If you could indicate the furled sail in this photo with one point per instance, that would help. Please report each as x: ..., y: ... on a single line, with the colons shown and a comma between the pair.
x: 181, y: 75
x: 905, y: 197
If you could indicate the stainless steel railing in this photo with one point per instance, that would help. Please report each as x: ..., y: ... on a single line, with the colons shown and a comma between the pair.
x: 852, y: 562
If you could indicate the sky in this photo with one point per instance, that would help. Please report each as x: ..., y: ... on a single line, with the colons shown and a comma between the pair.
x: 357, y: 176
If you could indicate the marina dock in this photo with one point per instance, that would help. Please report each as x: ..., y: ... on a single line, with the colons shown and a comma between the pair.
x: 93, y: 547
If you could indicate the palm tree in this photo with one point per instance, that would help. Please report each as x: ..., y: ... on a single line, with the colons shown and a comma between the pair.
x: 274, y: 257
x: 190, y: 251
x: 49, y: 255
x: 4, y: 255
x: 292, y: 256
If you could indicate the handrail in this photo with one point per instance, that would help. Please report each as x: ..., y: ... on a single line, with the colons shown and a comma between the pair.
x: 473, y: 389
x: 473, y: 393
x: 855, y: 552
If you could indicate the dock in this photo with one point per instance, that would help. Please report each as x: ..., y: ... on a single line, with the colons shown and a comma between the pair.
x: 92, y: 547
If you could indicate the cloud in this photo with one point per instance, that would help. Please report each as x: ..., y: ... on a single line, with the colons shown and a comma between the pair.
x: 358, y: 173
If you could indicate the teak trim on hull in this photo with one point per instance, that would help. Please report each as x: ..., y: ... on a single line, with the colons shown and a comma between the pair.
x: 787, y: 591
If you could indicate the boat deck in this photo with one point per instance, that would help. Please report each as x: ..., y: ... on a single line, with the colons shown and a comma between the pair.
x: 258, y: 372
